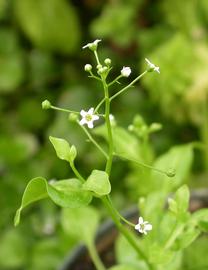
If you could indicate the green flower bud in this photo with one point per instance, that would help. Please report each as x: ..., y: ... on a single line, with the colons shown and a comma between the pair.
x: 46, y: 105
x: 73, y: 117
x: 171, y: 173
x: 107, y: 61
x: 99, y: 66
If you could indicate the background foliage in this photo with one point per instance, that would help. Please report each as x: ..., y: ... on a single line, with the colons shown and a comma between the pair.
x: 41, y: 58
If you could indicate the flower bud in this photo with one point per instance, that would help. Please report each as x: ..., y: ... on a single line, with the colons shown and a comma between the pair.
x: 155, y: 127
x: 99, y: 66
x: 73, y: 117
x: 107, y: 61
x: 88, y: 67
x: 46, y: 105
x: 171, y: 173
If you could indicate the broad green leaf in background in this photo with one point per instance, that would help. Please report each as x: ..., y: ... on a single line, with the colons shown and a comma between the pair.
x: 200, y: 219
x: 157, y: 255
x: 126, y: 144
x: 81, y: 223
x: 98, y: 182
x: 12, y: 69
x: 126, y: 254
x: 174, y: 77
x: 186, y: 238
x: 65, y: 193
x: 14, y: 249
x: 50, y: 24
x: 63, y: 150
x: 178, y: 158
x: 182, y: 196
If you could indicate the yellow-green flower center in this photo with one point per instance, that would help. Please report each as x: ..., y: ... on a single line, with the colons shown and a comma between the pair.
x: 88, y: 117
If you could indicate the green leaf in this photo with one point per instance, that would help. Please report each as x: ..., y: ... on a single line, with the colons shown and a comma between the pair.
x: 125, y: 144
x: 200, y: 219
x: 126, y: 254
x: 180, y: 159
x: 63, y: 149
x: 81, y: 223
x: 158, y: 256
x: 52, y: 25
x: 186, y: 238
x: 69, y: 193
x: 65, y: 193
x: 14, y: 251
x: 182, y: 198
x: 98, y: 182
x: 35, y: 190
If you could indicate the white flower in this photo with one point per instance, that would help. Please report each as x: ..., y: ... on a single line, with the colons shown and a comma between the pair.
x: 93, y: 45
x: 126, y: 71
x: 88, y: 117
x: 152, y: 66
x: 143, y: 226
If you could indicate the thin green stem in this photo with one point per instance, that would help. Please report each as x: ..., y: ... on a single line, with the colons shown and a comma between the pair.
x: 177, y: 229
x: 99, y: 104
x: 94, y: 142
x: 109, y: 130
x: 78, y: 175
x: 96, y: 57
x: 115, y: 80
x: 143, y: 164
x: 129, y: 85
x: 125, y: 232
x: 95, y: 257
x: 119, y: 215
x: 63, y: 110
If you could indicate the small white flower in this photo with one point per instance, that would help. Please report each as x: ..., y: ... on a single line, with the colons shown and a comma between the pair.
x: 126, y: 71
x: 152, y: 66
x: 88, y: 117
x: 93, y: 45
x: 143, y: 226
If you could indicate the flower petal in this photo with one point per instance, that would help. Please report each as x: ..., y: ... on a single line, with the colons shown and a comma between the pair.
x: 140, y: 220
x: 82, y: 121
x: 83, y: 113
x: 91, y: 110
x: 90, y: 124
x: 148, y: 227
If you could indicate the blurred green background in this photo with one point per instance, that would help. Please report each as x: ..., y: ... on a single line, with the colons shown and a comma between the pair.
x: 41, y: 58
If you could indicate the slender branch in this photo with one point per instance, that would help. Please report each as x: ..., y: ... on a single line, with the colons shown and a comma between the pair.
x: 129, y: 85
x: 115, y: 80
x: 94, y: 142
x: 95, y: 257
x: 63, y: 110
x: 96, y: 57
x: 99, y: 104
x: 119, y: 215
x: 78, y: 175
x: 109, y: 129
x: 145, y: 165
